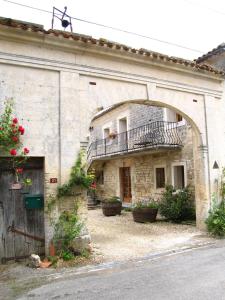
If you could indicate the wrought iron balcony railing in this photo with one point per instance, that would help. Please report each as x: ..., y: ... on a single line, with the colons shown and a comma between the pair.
x: 152, y: 135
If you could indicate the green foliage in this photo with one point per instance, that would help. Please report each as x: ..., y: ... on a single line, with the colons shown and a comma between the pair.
x: 78, y: 177
x: 51, y: 201
x: 53, y: 260
x: 67, y: 255
x: 216, y: 220
x: 7, y: 130
x: 149, y: 203
x: 113, y: 199
x: 222, y: 184
x: 85, y: 253
x: 177, y: 206
x: 67, y: 229
x: 127, y: 209
x: 27, y: 182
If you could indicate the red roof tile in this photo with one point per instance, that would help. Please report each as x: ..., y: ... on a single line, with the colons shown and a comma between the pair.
x: 112, y: 45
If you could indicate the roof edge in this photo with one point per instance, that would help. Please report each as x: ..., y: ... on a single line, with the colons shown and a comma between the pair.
x: 104, y: 43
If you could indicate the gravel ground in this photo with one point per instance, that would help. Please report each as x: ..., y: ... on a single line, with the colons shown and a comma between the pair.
x: 116, y: 238
x: 119, y: 238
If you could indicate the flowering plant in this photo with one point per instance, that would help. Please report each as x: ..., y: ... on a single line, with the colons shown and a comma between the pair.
x: 10, y: 139
x: 93, y: 186
x: 112, y: 135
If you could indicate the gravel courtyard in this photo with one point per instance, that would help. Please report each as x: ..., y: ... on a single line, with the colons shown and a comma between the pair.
x: 119, y: 238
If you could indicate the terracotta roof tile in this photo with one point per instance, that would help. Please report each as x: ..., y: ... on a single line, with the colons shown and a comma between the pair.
x: 109, y: 44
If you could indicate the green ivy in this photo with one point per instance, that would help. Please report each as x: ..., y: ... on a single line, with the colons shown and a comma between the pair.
x: 78, y: 177
x: 216, y: 220
x: 66, y: 230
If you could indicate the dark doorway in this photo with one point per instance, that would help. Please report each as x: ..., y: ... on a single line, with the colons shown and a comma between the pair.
x: 125, y: 184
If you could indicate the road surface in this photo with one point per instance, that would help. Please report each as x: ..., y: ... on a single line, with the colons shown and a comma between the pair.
x: 189, y: 274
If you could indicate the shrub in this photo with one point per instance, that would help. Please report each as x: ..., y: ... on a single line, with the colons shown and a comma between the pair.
x: 67, y: 229
x: 113, y: 199
x: 177, y: 206
x: 149, y: 203
x: 216, y: 220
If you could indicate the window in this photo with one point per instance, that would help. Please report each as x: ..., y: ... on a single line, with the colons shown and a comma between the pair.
x: 179, y: 118
x: 100, y: 177
x: 178, y: 177
x: 172, y: 116
x: 122, y: 125
x: 106, y: 132
x: 160, y: 177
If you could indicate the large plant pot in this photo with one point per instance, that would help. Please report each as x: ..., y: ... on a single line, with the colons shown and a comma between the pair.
x: 143, y: 215
x: 111, y: 208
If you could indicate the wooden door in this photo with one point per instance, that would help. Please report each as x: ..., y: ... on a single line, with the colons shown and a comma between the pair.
x: 22, y: 230
x: 125, y: 184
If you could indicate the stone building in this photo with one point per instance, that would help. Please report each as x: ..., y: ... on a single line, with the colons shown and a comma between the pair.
x: 136, y: 150
x: 59, y: 79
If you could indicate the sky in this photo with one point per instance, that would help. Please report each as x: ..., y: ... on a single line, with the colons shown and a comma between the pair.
x: 195, y: 24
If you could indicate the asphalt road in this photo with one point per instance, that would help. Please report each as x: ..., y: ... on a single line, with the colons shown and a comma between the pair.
x: 193, y: 274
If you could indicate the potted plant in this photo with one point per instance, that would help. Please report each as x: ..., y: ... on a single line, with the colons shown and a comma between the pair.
x: 112, y: 206
x: 27, y: 183
x: 145, y: 211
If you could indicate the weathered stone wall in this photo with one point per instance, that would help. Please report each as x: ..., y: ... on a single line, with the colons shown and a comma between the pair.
x: 142, y: 171
x: 144, y: 114
x: 136, y: 114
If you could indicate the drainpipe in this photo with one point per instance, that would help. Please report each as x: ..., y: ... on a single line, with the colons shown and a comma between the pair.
x: 59, y: 131
x: 207, y: 145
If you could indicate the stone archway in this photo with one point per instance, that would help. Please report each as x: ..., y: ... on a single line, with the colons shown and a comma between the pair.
x: 201, y: 167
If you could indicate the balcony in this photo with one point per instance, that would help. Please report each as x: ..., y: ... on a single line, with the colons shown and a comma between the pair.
x: 155, y: 135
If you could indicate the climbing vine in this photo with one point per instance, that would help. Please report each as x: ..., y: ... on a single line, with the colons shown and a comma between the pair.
x: 11, y: 132
x: 78, y: 177
x: 11, y: 144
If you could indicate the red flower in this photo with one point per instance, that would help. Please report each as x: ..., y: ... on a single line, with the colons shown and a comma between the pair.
x: 19, y: 170
x: 13, y: 125
x: 13, y: 152
x: 15, y: 139
x: 14, y: 131
x: 15, y: 120
x: 21, y: 130
x: 26, y: 151
x: 93, y: 185
x: 1, y: 128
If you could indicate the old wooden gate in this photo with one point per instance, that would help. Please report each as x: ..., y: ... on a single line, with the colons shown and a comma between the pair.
x: 21, y: 229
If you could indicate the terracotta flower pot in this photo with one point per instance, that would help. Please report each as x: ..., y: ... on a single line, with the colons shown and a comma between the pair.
x: 145, y: 214
x: 111, y: 208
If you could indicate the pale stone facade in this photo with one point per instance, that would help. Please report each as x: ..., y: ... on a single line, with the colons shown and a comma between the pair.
x: 50, y: 74
x: 142, y: 165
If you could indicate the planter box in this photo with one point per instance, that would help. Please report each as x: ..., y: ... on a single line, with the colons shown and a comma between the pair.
x: 143, y: 215
x: 111, y: 208
x: 16, y: 186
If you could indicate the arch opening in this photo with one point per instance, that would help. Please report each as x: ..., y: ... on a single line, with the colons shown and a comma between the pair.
x: 144, y: 171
